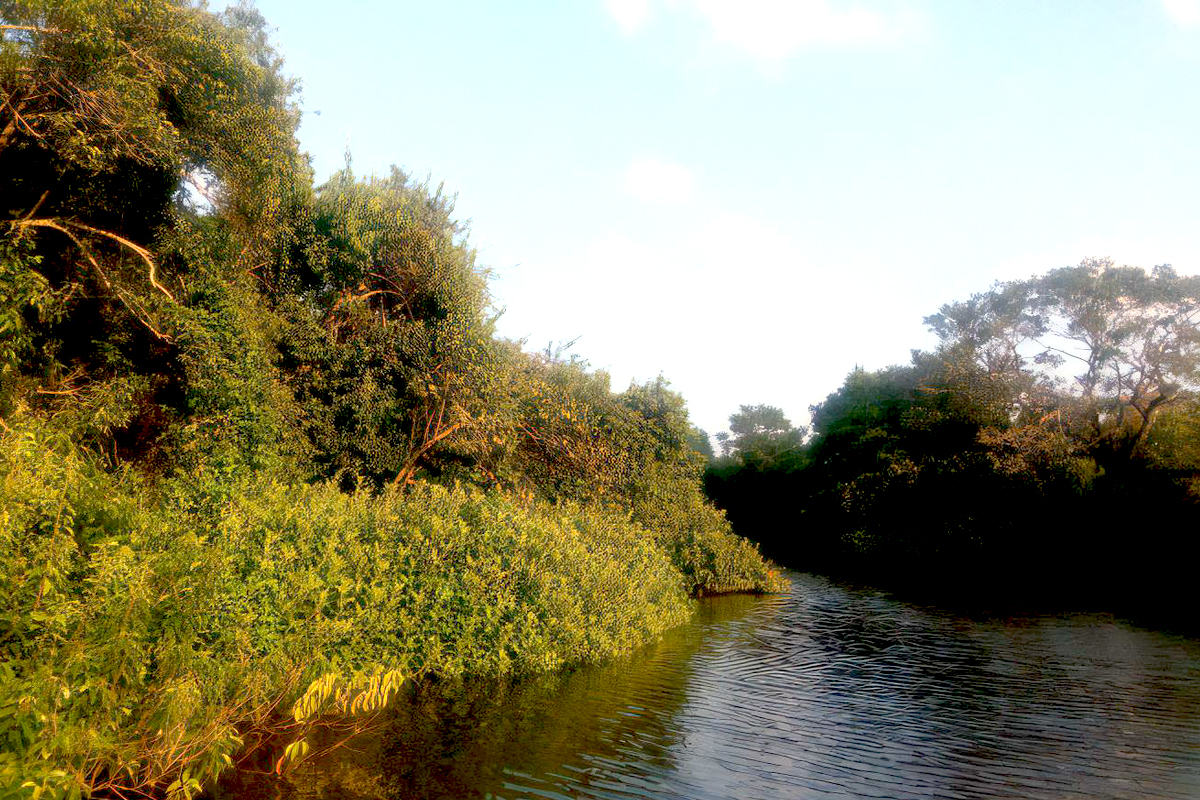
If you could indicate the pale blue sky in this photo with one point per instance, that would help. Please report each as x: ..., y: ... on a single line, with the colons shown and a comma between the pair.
x: 752, y: 197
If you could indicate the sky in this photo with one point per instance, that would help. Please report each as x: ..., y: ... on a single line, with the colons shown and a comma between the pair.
x: 752, y: 198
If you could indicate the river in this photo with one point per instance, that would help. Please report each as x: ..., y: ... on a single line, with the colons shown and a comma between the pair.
x: 825, y: 691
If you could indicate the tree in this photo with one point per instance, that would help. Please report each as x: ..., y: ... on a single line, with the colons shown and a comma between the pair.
x: 122, y: 289
x: 1096, y: 350
x: 760, y: 434
x: 699, y: 441
x: 389, y: 345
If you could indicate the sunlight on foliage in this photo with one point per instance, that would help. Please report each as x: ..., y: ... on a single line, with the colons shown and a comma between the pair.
x: 262, y: 458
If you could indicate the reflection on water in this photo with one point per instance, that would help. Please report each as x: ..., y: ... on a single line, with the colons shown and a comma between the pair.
x: 825, y: 691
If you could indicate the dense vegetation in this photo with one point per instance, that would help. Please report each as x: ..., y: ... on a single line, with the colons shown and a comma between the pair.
x: 262, y: 456
x: 1050, y: 444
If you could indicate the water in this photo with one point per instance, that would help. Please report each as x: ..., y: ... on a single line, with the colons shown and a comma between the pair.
x: 827, y: 691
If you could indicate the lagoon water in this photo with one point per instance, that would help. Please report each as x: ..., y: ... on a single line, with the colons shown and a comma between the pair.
x: 826, y: 691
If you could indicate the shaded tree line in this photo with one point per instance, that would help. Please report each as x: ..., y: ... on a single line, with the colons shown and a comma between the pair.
x: 1050, y: 445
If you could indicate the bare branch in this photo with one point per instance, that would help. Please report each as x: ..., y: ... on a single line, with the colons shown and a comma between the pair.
x: 140, y: 251
x: 16, y: 121
x: 54, y: 225
x: 138, y: 310
x: 36, y: 206
x: 1039, y: 343
x: 126, y: 299
x: 348, y: 298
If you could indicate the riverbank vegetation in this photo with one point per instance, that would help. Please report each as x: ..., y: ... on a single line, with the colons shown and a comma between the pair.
x: 262, y: 455
x: 1049, y: 445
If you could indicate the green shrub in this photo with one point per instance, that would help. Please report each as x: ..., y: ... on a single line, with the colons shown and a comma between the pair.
x: 699, y: 540
x: 107, y: 679
x: 144, y: 640
x: 441, y: 580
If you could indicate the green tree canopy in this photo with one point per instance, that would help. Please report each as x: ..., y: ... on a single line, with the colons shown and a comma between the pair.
x: 760, y: 434
x: 389, y: 349
x: 1097, y: 349
x: 150, y: 171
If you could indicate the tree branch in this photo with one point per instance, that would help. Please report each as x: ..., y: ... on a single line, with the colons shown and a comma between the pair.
x: 1060, y: 350
x: 348, y: 298
x: 405, y: 474
x: 140, y: 313
x: 17, y: 120
x: 52, y: 224
x: 140, y: 251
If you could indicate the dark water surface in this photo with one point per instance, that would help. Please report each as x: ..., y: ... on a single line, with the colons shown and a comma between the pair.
x: 827, y: 691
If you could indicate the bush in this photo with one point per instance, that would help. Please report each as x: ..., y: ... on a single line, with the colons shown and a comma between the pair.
x: 145, y: 642
x: 441, y: 580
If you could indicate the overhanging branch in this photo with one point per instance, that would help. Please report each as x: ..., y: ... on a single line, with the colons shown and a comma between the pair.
x: 62, y: 226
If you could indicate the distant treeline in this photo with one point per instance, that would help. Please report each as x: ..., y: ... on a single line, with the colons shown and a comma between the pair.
x: 262, y: 455
x: 1048, y: 448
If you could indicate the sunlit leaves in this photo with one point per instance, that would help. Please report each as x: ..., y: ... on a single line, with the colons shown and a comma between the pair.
x: 389, y: 347
x: 191, y: 338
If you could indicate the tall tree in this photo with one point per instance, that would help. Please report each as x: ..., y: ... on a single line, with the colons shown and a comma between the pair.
x: 1097, y: 350
x: 389, y: 348
x: 760, y: 434
x: 148, y: 155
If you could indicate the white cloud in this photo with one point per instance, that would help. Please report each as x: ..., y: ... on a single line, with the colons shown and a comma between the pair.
x: 718, y: 302
x: 1184, y: 12
x: 658, y: 181
x: 775, y: 29
x: 629, y: 14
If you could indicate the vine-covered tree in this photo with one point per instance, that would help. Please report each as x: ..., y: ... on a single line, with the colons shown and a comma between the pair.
x: 226, y: 400
x: 118, y: 306
x: 389, y: 349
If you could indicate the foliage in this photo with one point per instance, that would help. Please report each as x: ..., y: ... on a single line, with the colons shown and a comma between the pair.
x: 1111, y: 347
x: 699, y: 442
x: 444, y: 580
x: 149, y: 158
x: 24, y: 293
x: 225, y: 397
x: 632, y: 451
x: 102, y: 683
x: 143, y: 643
x: 760, y: 435
x: 144, y: 90
x: 988, y: 461
x: 389, y: 350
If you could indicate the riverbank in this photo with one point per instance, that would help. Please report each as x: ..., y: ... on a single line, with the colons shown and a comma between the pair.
x: 826, y: 690
x: 153, y: 633
x: 263, y: 456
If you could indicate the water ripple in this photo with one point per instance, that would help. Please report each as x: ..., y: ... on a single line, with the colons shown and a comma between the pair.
x: 826, y: 691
